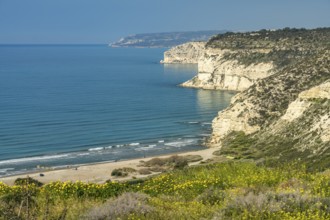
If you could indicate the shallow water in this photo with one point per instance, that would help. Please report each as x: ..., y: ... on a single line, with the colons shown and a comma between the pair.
x: 67, y: 105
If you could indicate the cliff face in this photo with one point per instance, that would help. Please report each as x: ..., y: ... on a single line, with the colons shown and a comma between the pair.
x: 184, y: 53
x: 269, y: 99
x: 283, y: 117
x: 216, y: 71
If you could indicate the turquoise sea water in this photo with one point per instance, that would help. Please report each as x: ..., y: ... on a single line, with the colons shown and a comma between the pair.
x: 69, y: 105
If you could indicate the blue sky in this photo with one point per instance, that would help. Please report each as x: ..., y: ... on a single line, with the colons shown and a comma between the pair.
x: 104, y: 21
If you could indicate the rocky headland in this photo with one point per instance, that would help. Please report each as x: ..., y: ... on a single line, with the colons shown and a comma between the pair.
x: 283, y: 109
x: 184, y: 53
x: 165, y: 39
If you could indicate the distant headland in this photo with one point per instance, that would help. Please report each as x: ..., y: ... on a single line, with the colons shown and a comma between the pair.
x: 165, y: 39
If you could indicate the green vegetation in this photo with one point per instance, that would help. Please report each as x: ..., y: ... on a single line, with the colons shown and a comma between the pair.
x: 281, y: 47
x: 172, y: 162
x: 230, y: 190
x: 122, y: 172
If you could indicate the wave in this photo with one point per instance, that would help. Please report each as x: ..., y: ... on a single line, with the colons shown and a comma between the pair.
x: 151, y: 146
x: 6, y: 169
x: 96, y: 149
x: 83, y: 154
x: 205, y: 135
x: 161, y: 141
x: 134, y: 144
x: 29, y: 159
x: 182, y: 143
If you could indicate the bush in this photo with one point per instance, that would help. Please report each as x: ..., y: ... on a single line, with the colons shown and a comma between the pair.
x: 144, y: 171
x: 211, y: 196
x: 180, y: 163
x: 121, y: 208
x: 119, y: 173
x: 27, y: 181
x: 122, y: 172
x: 193, y: 158
x: 155, y: 162
x: 175, y: 161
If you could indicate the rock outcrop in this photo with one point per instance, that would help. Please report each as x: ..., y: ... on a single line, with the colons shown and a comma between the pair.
x: 307, y: 100
x: 184, y: 53
x: 216, y: 71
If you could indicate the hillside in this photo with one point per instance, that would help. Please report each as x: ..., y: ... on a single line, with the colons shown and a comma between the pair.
x: 283, y: 116
x: 225, y: 190
x: 167, y: 39
x: 283, y: 110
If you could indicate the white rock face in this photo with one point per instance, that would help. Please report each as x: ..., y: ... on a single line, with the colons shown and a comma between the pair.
x: 297, y: 108
x: 216, y: 72
x: 322, y: 91
x: 184, y: 53
x: 232, y: 119
x: 323, y: 125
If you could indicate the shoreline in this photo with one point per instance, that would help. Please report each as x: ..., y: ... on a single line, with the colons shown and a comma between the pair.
x: 100, y: 172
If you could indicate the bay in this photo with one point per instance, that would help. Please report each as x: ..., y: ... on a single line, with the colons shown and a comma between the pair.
x: 63, y: 105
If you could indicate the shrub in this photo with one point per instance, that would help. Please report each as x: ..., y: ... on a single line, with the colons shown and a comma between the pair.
x: 27, y: 181
x: 121, y: 207
x: 118, y: 172
x: 180, y: 163
x: 175, y: 161
x: 211, y: 196
x: 144, y: 171
x: 154, y: 162
x: 122, y: 172
x: 193, y: 158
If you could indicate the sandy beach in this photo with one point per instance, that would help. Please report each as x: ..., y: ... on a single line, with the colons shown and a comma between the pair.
x: 99, y: 173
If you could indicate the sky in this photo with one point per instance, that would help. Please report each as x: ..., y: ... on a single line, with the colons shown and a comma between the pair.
x: 105, y: 21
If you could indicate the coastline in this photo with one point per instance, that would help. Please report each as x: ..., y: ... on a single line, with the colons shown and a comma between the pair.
x: 101, y: 172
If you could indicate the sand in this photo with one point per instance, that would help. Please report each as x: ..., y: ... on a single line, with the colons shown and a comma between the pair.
x: 99, y: 173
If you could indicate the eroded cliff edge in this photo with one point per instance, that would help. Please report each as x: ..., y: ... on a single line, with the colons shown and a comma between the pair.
x: 284, y: 112
x: 184, y: 53
x: 217, y: 70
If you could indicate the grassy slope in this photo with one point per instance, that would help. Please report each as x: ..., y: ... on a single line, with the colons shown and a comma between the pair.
x: 230, y: 190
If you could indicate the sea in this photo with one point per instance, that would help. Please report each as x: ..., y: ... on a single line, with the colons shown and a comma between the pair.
x: 67, y: 105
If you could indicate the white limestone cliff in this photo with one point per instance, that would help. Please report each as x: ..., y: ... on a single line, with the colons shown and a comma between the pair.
x: 233, y: 118
x: 296, y: 109
x: 215, y: 71
x: 236, y: 117
x: 184, y: 53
